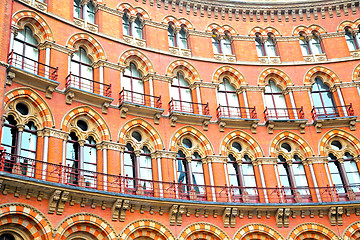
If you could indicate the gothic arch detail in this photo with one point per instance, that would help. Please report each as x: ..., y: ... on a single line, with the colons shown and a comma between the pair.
x: 189, y: 71
x: 264, y: 32
x: 220, y: 29
x: 312, y: 230
x: 39, y: 26
x: 354, y: 26
x: 304, y: 146
x: 257, y: 231
x: 281, y: 78
x: 146, y: 228
x: 324, y: 142
x: 178, y: 22
x: 356, y: 73
x: 235, y: 77
x: 92, y: 46
x: 141, y: 61
x: 352, y: 231
x: 155, y: 138
x: 308, y: 30
x: 327, y: 75
x: 203, y: 230
x: 133, y: 11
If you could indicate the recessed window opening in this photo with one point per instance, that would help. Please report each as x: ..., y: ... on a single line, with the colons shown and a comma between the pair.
x: 336, y: 145
x: 22, y: 109
x: 187, y: 143
x: 82, y: 125
x: 137, y: 136
x: 236, y: 147
x: 286, y: 147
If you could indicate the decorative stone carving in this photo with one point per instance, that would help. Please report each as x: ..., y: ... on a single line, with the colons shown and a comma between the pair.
x: 53, y: 201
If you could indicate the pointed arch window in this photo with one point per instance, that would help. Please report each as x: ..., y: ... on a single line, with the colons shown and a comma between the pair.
x: 285, y: 176
x: 299, y: 175
x: 132, y: 27
x: 181, y: 94
x: 226, y: 45
x: 275, y: 102
x: 145, y: 165
x: 323, y: 100
x: 26, y: 52
x: 126, y: 25
x: 82, y: 71
x: 138, y: 28
x: 90, y: 162
x: 172, y: 36
x: 315, y: 44
x: 221, y: 44
x: 177, y: 39
x: 197, y: 173
x: 228, y: 100
x: 129, y: 166
x: 216, y: 44
x: 352, y: 40
x: 133, y: 85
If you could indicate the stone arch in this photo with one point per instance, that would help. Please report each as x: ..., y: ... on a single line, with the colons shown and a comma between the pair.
x: 85, y: 222
x: 133, y: 11
x: 243, y: 136
x: 178, y: 22
x: 40, y: 107
x: 203, y: 230
x: 327, y: 75
x: 352, y: 25
x: 189, y: 71
x: 313, y: 230
x: 220, y: 29
x: 281, y: 78
x: 356, y: 73
x: 299, y: 141
x: 155, y: 137
x: 264, y: 32
x: 352, y: 231
x: 146, y: 228
x: 235, y: 77
x: 204, y: 142
x: 141, y: 61
x: 100, y: 132
x: 352, y: 140
x: 308, y: 30
x: 257, y: 231
x: 29, y: 219
x: 93, y: 47
x: 40, y: 28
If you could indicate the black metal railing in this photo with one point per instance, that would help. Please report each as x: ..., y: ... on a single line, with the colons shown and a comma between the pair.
x: 188, y: 107
x: 139, y: 98
x: 332, y: 112
x: 88, y: 85
x: 236, y: 112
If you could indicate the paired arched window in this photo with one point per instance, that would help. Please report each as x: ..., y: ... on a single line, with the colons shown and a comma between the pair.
x: 310, y: 45
x: 352, y: 40
x: 177, y: 39
x: 221, y: 44
x: 181, y: 94
x: 25, y: 51
x: 266, y: 47
x: 132, y: 28
x: 228, y: 100
x: 133, y: 85
x: 323, y: 100
x: 82, y: 71
x: 86, y: 12
x: 275, y: 101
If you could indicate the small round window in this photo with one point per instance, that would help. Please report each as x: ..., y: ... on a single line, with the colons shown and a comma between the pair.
x: 236, y: 147
x: 22, y: 109
x: 286, y: 147
x: 336, y: 145
x: 187, y: 143
x: 82, y: 125
x: 136, y: 135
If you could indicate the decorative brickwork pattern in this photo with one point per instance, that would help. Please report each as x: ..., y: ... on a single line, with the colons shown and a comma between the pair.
x: 134, y: 12
x: 352, y: 231
x: 233, y: 75
x: 354, y: 26
x: 220, y: 29
x: 45, y: 117
x: 280, y: 78
x: 312, y: 231
x: 146, y: 228
x: 151, y: 132
x: 98, y: 227
x: 178, y: 23
x: 257, y: 231
x: 340, y: 134
x: 27, y: 217
x: 203, y: 230
x: 241, y: 136
x: 327, y: 75
x: 189, y: 71
x: 264, y: 32
x: 42, y: 29
x: 308, y: 30
x: 356, y: 73
x: 101, y: 127
x: 141, y: 61
x: 199, y: 136
x: 300, y: 142
x: 92, y: 46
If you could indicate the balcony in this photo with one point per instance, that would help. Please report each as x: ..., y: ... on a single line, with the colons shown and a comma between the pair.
x: 335, y: 116
x: 237, y: 117
x: 284, y: 118
x: 88, y: 91
x: 140, y: 104
x: 189, y: 113
x: 32, y: 73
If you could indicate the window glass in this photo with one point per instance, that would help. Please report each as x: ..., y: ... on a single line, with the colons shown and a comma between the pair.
x: 260, y: 47
x: 226, y: 45
x: 304, y: 46
x: 90, y: 11
x: 182, y: 168
x: 77, y: 9
x: 28, y: 141
x: 146, y: 168
x: 249, y: 175
x: 138, y: 28
x: 350, y: 40
x: 171, y: 36
x: 126, y: 25
x: 270, y: 47
x: 216, y: 45
x: 283, y: 174
x: 183, y: 39
x: 198, y: 174
x: 315, y: 45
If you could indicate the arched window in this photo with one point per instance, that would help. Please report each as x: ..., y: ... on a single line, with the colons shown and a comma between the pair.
x: 183, y: 173
x: 81, y: 71
x: 134, y: 28
x: 299, y: 175
x: 275, y: 101
x: 221, y: 44
x: 228, y: 100
x: 216, y: 44
x: 260, y: 47
x: 181, y: 94
x: 73, y: 159
x: 315, y: 44
x: 126, y: 25
x: 304, y: 45
x: 310, y: 45
x: 133, y: 85
x: 183, y: 39
x: 25, y: 50
x: 172, y: 36
x: 138, y: 28
x: 351, y: 41
x: 177, y: 40
x: 90, y: 162
x: 145, y: 166
x: 197, y: 173
x: 270, y: 48
x: 129, y: 166
x: 323, y: 100
x: 285, y: 176
x: 86, y: 12
x: 226, y: 45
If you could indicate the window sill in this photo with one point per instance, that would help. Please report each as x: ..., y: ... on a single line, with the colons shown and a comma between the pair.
x: 315, y: 58
x: 140, y: 110
x: 225, y: 58
x: 36, y: 4
x: 355, y: 53
x: 134, y: 41
x: 87, y: 25
x: 270, y: 60
x: 345, y: 121
x: 180, y: 51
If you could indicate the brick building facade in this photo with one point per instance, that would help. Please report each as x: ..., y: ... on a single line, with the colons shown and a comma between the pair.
x: 183, y: 119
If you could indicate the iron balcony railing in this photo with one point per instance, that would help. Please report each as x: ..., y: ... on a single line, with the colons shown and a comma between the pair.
x: 139, y: 98
x: 32, y: 66
x: 283, y: 113
x: 88, y: 85
x: 68, y: 175
x: 332, y: 112
x: 188, y: 107
x: 236, y: 112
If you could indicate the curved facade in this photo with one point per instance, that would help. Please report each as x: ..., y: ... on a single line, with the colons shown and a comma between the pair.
x: 180, y: 119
